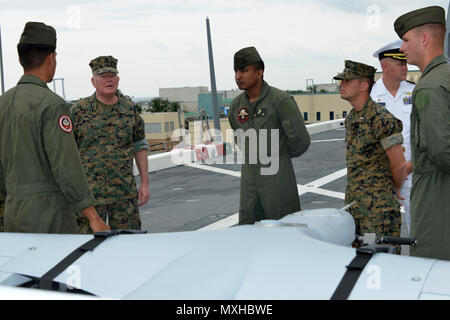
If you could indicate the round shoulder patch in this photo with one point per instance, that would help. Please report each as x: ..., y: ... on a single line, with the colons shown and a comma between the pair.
x: 65, y: 123
x: 243, y: 113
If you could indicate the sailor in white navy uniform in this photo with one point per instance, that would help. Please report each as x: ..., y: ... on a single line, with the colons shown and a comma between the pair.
x: 395, y: 93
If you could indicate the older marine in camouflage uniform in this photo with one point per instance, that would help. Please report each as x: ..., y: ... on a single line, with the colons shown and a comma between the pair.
x: 106, y: 136
x: 370, y: 131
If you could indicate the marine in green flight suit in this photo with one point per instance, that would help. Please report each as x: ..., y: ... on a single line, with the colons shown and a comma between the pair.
x: 40, y: 170
x: 268, y: 126
x: 2, y: 211
x: 423, y: 33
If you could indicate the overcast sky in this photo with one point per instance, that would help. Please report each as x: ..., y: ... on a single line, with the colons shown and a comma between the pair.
x: 162, y: 43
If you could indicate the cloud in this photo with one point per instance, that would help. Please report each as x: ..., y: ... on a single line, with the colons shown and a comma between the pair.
x: 163, y: 42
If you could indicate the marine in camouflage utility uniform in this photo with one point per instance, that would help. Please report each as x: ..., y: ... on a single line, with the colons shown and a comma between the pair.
x: 369, y: 133
x: 106, y: 137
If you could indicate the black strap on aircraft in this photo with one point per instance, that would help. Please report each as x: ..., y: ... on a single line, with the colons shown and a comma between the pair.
x: 351, y: 276
x: 46, y: 281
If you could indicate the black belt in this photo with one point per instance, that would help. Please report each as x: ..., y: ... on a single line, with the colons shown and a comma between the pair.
x: 45, y: 282
x: 351, y: 276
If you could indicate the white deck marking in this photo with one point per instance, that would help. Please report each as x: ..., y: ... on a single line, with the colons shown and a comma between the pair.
x: 327, y: 179
x: 333, y: 194
x: 312, y: 187
x: 222, y: 224
x: 329, y: 140
x: 214, y: 169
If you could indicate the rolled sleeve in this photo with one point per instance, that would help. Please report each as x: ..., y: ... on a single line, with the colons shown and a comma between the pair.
x: 140, y: 145
x: 391, y: 141
x: 83, y: 204
x: 388, y: 129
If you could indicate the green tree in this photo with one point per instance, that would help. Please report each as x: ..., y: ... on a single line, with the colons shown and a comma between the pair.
x: 120, y: 94
x: 163, y: 105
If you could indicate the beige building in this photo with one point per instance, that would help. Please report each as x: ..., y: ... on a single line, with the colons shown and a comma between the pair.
x: 319, y: 107
x: 413, y: 75
x: 325, y: 106
x: 199, y: 132
x: 182, y: 93
x: 186, y: 96
x: 160, y: 125
x: 160, y: 128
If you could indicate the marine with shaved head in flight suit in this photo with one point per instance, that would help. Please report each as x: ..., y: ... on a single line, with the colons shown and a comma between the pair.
x: 423, y: 32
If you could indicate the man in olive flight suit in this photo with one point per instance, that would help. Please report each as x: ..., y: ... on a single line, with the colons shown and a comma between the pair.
x: 423, y: 32
x: 267, y: 120
x: 2, y: 211
x: 376, y: 165
x: 40, y: 170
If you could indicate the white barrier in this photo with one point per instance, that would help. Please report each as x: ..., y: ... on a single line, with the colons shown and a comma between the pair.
x: 325, y: 126
x: 201, y: 152
x: 178, y: 157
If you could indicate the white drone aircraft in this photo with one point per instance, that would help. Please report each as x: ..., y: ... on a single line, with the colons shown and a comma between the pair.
x: 305, y: 255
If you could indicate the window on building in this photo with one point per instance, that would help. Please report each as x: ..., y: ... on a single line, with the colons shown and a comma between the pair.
x: 331, y: 115
x: 172, y: 126
x: 344, y: 114
x: 166, y: 127
x: 318, y: 116
x: 153, y: 127
x: 305, y: 116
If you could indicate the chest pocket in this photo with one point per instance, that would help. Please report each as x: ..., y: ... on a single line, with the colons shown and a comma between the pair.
x: 417, y: 134
x: 264, y: 117
x: 259, y: 113
x: 89, y: 131
x: 406, y: 110
x: 123, y: 127
x: 361, y: 136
